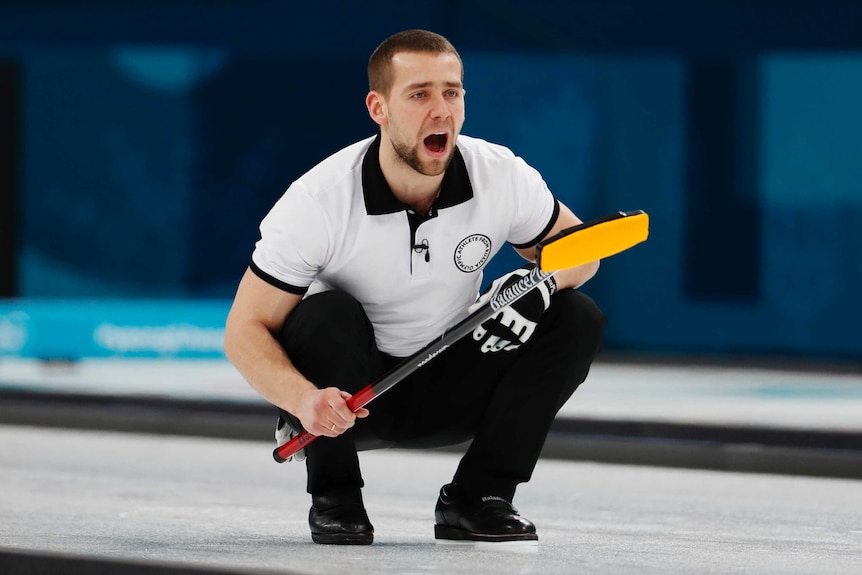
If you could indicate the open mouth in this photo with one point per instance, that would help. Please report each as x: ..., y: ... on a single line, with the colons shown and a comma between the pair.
x: 436, y: 142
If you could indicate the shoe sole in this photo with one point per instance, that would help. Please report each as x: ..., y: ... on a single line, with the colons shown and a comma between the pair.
x: 526, y: 547
x: 447, y: 534
x: 343, y: 538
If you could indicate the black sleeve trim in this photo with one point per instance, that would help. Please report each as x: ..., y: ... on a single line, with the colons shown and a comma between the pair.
x: 276, y: 282
x: 554, y: 217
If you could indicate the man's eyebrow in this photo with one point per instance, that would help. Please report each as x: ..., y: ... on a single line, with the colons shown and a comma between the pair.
x: 418, y: 85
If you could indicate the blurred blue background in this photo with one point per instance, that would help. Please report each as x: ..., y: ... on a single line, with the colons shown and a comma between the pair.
x: 144, y: 141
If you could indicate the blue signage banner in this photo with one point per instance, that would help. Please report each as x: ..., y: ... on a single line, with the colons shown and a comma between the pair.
x: 79, y: 329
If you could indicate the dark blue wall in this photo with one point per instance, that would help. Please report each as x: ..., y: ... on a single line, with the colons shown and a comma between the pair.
x: 155, y: 135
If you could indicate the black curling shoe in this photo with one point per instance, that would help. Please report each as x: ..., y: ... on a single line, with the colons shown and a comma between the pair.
x: 340, y: 519
x: 483, y: 519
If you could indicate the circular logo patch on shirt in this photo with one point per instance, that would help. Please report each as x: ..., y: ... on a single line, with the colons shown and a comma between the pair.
x: 472, y: 252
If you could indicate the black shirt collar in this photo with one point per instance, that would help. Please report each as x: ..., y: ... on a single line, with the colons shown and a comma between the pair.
x: 379, y: 199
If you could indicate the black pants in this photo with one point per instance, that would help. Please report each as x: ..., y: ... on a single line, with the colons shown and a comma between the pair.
x: 503, y: 402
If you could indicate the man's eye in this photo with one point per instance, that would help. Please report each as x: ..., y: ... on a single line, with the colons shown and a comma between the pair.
x: 453, y: 93
x: 418, y: 95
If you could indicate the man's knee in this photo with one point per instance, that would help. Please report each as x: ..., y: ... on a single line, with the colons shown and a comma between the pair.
x: 329, y: 339
x: 329, y: 320
x: 580, y: 318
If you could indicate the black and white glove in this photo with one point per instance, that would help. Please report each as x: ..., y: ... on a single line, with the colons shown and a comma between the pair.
x: 513, y: 325
x: 284, y: 432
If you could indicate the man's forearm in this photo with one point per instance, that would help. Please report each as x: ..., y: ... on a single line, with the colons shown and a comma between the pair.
x: 575, y: 277
x: 265, y: 366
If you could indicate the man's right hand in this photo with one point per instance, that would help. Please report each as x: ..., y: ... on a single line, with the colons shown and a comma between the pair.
x: 325, y: 412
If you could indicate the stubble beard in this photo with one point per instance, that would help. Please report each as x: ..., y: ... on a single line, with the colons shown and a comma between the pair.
x: 410, y: 157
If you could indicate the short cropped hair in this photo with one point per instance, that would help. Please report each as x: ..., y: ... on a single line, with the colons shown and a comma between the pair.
x: 423, y: 41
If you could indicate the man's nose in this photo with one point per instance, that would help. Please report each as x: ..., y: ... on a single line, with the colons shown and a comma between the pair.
x: 440, y: 107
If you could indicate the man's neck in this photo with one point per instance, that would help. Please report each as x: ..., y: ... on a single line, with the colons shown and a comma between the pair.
x: 420, y: 198
x: 414, y: 189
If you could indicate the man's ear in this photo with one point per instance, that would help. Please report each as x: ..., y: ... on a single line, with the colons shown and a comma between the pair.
x: 376, y: 107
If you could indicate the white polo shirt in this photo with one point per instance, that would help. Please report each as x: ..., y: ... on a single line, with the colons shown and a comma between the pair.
x: 340, y: 227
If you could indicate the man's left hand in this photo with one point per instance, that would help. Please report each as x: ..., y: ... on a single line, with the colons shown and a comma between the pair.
x: 512, y: 326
